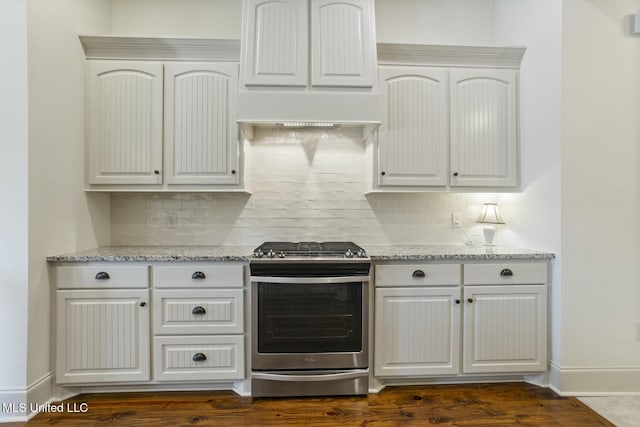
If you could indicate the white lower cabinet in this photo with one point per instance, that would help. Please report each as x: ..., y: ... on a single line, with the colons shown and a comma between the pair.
x: 198, y: 322
x: 441, y: 329
x: 112, y: 328
x: 188, y: 358
x: 505, y: 328
x: 417, y: 331
x: 102, y: 336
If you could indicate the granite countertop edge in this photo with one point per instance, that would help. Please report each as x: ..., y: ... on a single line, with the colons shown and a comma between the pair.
x: 243, y: 254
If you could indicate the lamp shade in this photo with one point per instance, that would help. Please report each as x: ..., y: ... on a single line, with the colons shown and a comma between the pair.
x: 490, y: 214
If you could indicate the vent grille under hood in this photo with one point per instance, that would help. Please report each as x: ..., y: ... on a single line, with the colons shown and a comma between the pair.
x: 308, y: 62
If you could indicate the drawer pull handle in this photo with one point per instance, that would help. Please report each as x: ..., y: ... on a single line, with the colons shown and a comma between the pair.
x: 199, y: 357
x: 469, y: 300
x: 198, y: 275
x: 102, y: 275
x: 418, y: 274
x: 198, y: 310
x: 506, y: 272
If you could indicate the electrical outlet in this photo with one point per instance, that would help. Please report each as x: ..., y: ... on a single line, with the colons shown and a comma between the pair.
x: 456, y: 220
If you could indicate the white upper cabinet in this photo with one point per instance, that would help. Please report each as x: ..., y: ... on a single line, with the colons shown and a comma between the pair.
x: 132, y: 102
x: 484, y: 128
x: 413, y: 136
x: 283, y: 39
x: 201, y: 134
x: 125, y: 122
x: 342, y: 43
x: 275, y: 33
x: 450, y: 118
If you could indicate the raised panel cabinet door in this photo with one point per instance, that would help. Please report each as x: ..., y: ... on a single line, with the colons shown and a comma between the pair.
x: 201, y: 136
x: 505, y: 329
x: 102, y: 336
x: 274, y: 42
x: 417, y: 331
x: 484, y: 128
x: 125, y: 122
x: 343, y: 46
x: 413, y: 136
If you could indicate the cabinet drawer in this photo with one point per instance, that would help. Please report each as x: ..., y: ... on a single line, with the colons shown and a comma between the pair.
x: 503, y: 273
x: 198, y: 276
x: 199, y: 358
x: 102, y: 276
x: 417, y: 275
x: 212, y: 311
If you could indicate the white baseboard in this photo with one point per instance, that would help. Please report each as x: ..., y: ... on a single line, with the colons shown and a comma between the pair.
x: 21, y: 404
x: 581, y: 381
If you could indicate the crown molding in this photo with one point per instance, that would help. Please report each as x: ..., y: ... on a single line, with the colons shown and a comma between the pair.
x: 160, y: 48
x: 450, y: 55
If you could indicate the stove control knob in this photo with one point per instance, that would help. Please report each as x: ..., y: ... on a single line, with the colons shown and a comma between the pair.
x: 258, y: 254
x: 281, y: 254
x: 361, y: 254
x: 348, y: 254
x: 271, y: 254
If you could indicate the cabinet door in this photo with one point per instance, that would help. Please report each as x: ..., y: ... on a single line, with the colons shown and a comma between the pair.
x: 201, y: 137
x: 484, y: 130
x: 505, y: 328
x: 343, y: 47
x: 125, y: 122
x: 102, y: 336
x: 413, y: 136
x: 274, y: 42
x: 417, y: 331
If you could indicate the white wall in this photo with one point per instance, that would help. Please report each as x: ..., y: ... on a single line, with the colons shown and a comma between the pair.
x: 62, y: 218
x: 14, y: 212
x: 435, y: 21
x: 184, y: 18
x: 600, y: 196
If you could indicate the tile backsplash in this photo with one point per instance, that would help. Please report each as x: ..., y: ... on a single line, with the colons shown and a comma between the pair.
x: 306, y: 185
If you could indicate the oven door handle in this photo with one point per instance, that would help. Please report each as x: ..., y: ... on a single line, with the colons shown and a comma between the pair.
x: 310, y: 280
x: 358, y: 373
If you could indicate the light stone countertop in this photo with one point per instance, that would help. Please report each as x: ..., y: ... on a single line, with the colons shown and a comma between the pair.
x: 157, y: 253
x: 451, y: 252
x: 243, y: 253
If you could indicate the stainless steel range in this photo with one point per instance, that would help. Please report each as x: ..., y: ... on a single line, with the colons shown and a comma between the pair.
x: 309, y: 319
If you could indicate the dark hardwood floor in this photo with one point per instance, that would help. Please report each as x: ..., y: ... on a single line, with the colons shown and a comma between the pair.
x: 511, y: 404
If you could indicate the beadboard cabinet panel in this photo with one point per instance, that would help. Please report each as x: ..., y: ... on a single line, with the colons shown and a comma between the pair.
x: 211, y: 311
x: 201, y: 136
x: 342, y: 43
x: 505, y: 328
x: 417, y: 331
x: 185, y: 358
x: 484, y: 129
x: 102, y: 336
x: 413, y: 137
x: 125, y: 122
x: 275, y: 43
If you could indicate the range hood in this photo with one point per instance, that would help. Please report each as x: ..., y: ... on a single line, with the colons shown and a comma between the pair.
x: 309, y: 62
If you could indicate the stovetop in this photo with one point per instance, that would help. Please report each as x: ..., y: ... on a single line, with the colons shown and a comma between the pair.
x: 305, y: 250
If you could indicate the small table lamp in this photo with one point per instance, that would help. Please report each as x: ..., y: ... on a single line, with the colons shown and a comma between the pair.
x: 490, y: 215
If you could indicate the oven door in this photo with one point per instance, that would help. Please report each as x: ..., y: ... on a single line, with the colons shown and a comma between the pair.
x: 309, y: 323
